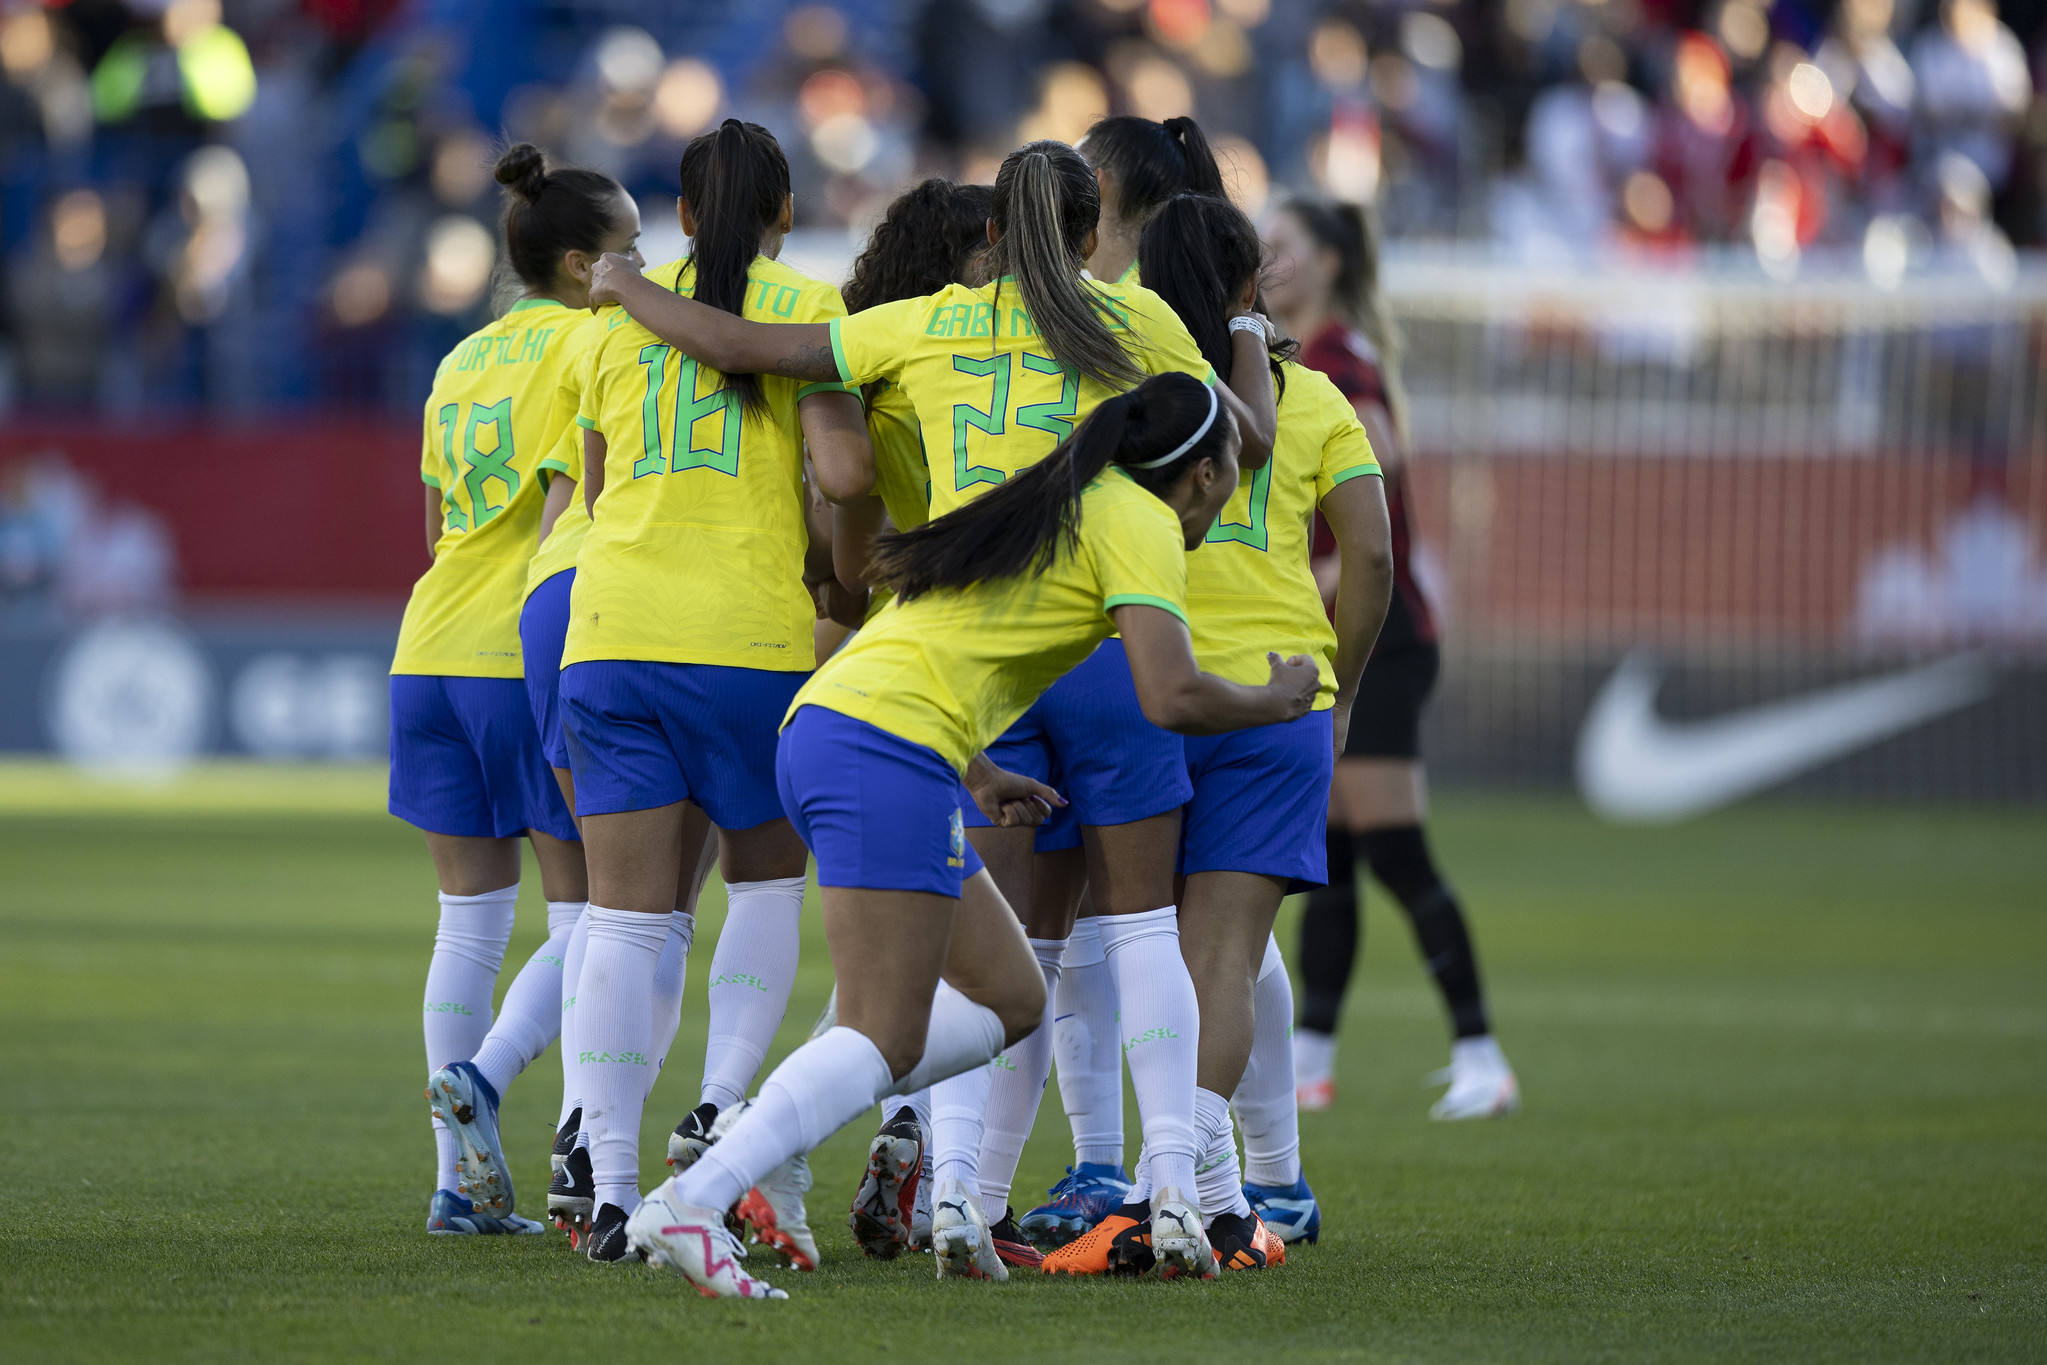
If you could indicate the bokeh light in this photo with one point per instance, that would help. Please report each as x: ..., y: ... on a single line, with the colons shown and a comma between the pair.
x: 687, y: 97
x: 78, y: 229
x: 1336, y: 54
x: 360, y: 294
x: 459, y: 255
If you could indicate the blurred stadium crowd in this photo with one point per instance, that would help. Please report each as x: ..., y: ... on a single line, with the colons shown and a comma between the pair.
x: 240, y: 205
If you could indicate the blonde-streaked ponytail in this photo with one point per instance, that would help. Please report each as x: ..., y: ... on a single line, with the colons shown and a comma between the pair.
x: 1046, y: 203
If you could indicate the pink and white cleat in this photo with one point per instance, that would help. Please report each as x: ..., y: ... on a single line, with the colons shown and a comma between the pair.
x: 694, y: 1243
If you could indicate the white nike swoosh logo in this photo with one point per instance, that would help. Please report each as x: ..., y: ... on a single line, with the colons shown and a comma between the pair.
x: 1635, y: 766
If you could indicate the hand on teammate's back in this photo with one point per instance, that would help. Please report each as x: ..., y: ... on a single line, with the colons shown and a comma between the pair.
x: 1295, y: 680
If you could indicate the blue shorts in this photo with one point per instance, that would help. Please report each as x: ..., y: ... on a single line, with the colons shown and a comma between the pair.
x: 876, y: 810
x: 642, y: 735
x: 1261, y: 801
x: 543, y: 627
x: 466, y: 760
x: 1088, y: 738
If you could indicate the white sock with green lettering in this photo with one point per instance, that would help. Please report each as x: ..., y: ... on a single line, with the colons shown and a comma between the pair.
x: 469, y: 948
x: 572, y: 972
x: 1090, y: 1054
x: 1020, y: 1074
x: 752, y: 969
x: 531, y: 1015
x: 614, y: 1038
x: 1219, y: 1184
x: 1160, y: 1028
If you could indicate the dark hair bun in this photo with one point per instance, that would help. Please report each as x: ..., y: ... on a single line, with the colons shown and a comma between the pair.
x: 523, y: 170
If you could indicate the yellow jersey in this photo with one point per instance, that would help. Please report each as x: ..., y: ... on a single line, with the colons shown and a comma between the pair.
x: 951, y: 670
x: 902, y: 477
x: 1249, y: 587
x: 989, y: 397
x: 558, y: 551
x: 494, y: 414
x: 695, y: 553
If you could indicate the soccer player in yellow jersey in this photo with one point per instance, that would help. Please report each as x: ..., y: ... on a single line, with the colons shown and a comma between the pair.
x: 689, y: 633
x: 995, y: 601
x: 1253, y: 827
x: 998, y: 375
x: 1141, y: 163
x: 466, y: 761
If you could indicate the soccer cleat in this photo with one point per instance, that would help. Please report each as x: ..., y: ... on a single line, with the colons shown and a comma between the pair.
x: 1120, y: 1244
x: 572, y: 1196
x: 565, y: 1139
x: 1319, y: 1093
x: 960, y: 1241
x: 606, y: 1239
x: 1482, y: 1085
x: 463, y: 1100
x: 1012, y: 1246
x: 1289, y: 1211
x: 692, y: 1137
x: 1236, y: 1241
x: 452, y: 1215
x: 1177, y: 1238
x: 1089, y: 1193
x: 773, y: 1213
x: 1268, y: 1242
x: 694, y: 1243
x: 920, y: 1217
x: 885, y: 1206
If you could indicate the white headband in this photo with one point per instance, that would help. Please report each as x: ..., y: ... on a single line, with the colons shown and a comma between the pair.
x: 1191, y: 441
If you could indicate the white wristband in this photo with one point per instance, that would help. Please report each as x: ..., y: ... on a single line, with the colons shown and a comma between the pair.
x: 1248, y: 322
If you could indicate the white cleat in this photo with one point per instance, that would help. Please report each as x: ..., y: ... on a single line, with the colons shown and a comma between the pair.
x: 1482, y: 1085
x: 960, y: 1241
x: 773, y: 1213
x: 693, y: 1242
x: 1177, y: 1238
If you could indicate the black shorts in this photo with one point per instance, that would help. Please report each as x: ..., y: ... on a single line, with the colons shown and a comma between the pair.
x: 1386, y: 720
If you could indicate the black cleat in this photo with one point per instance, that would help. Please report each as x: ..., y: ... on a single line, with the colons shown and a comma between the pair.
x: 1235, y: 1241
x: 885, y: 1205
x: 692, y: 1137
x: 572, y: 1195
x: 565, y: 1140
x: 607, y: 1239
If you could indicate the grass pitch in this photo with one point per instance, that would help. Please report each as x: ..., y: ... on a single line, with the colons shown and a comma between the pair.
x: 1783, y: 1077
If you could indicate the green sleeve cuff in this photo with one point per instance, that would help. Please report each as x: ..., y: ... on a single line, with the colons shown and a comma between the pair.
x: 555, y: 466
x: 839, y: 353
x: 1140, y: 599
x: 823, y: 386
x: 430, y: 481
x: 1212, y: 377
x: 585, y: 423
x: 1356, y: 470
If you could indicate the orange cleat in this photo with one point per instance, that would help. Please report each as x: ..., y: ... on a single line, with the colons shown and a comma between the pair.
x: 1118, y: 1245
x: 1315, y: 1094
x: 1269, y: 1242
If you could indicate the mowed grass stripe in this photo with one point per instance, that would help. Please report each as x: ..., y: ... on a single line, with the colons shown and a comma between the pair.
x: 1781, y: 1066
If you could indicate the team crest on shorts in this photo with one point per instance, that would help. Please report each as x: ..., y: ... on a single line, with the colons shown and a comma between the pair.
x: 957, y: 856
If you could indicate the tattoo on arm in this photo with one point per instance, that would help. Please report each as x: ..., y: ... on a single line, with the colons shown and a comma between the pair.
x: 809, y: 362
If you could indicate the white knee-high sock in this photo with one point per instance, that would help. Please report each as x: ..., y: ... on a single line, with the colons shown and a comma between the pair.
x: 1089, y: 1052
x: 752, y: 970
x: 572, y: 972
x: 469, y: 948
x: 1218, y: 1182
x: 1161, y: 1032
x: 962, y: 1035
x: 614, y: 1035
x: 531, y: 1016
x: 817, y: 1090
x: 666, y: 999
x: 1264, y: 1101
x: 959, y: 1114
x: 1019, y: 1087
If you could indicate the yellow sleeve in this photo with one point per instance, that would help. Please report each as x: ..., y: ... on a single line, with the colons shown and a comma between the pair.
x: 1346, y: 451
x: 1140, y: 558
x: 1165, y: 343
x: 822, y: 304
x: 874, y: 344
x: 590, y: 402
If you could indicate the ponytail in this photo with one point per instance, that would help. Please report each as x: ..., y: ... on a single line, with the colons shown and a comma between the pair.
x: 1151, y: 162
x: 1021, y: 526
x: 549, y: 213
x: 1046, y: 202
x: 736, y: 181
x: 1352, y: 233
x: 1197, y: 253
